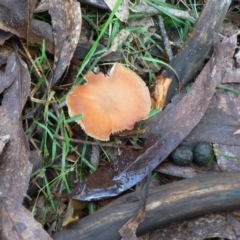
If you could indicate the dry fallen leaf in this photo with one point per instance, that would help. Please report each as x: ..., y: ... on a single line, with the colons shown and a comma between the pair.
x: 14, y: 15
x: 66, y: 24
x: 186, y: 172
x: 42, y: 6
x: 6, y: 80
x: 3, y: 141
x: 227, y: 157
x: 14, y: 19
x: 4, y: 36
x: 221, y: 119
x: 119, y: 39
x: 122, y: 12
x: 16, y: 222
x: 15, y: 169
x: 74, y: 212
x: 5, y: 51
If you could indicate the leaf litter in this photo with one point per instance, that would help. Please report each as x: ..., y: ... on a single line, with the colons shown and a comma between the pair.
x: 130, y: 167
x: 16, y: 152
x: 16, y: 222
x: 66, y: 24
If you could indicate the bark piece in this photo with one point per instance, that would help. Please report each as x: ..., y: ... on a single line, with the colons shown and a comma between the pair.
x: 190, y: 60
x: 165, y: 204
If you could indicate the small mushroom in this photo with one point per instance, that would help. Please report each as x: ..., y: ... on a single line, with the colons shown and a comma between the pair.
x: 109, y: 104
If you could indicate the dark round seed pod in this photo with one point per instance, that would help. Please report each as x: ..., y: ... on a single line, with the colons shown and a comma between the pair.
x: 202, y: 153
x: 182, y: 156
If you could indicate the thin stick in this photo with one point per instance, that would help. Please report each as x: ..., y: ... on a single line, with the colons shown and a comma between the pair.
x: 94, y: 143
x: 166, y: 42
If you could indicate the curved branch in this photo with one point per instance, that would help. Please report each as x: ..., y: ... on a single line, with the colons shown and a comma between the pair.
x: 175, y: 201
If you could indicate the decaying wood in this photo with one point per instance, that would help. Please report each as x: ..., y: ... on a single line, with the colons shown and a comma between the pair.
x: 159, y: 89
x: 176, y: 201
x: 190, y: 60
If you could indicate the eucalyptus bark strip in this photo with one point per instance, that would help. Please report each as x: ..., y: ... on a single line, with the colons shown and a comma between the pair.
x: 190, y: 60
x: 172, y: 202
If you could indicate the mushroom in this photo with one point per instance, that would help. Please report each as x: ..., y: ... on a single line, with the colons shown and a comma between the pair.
x: 109, y: 104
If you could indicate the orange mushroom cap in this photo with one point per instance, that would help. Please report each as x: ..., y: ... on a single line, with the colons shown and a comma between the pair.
x: 109, y: 104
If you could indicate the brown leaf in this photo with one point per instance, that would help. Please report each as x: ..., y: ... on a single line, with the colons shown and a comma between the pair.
x: 118, y: 40
x: 14, y: 14
x: 17, y: 222
x: 40, y: 31
x: 227, y: 157
x: 4, y: 36
x: 15, y: 168
x: 6, y: 80
x: 3, y: 141
x: 175, y: 125
x: 74, y: 212
x: 14, y: 17
x: 5, y: 51
x: 66, y: 24
x: 186, y: 172
x: 221, y: 119
x: 42, y: 6
x: 123, y: 10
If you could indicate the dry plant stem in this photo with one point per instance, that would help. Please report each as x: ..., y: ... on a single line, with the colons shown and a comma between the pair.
x: 31, y: 60
x: 166, y: 42
x: 144, y: 50
x: 178, y: 13
x: 95, y: 143
x: 190, y: 60
x: 175, y: 201
x: 151, y: 10
x: 95, y: 156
